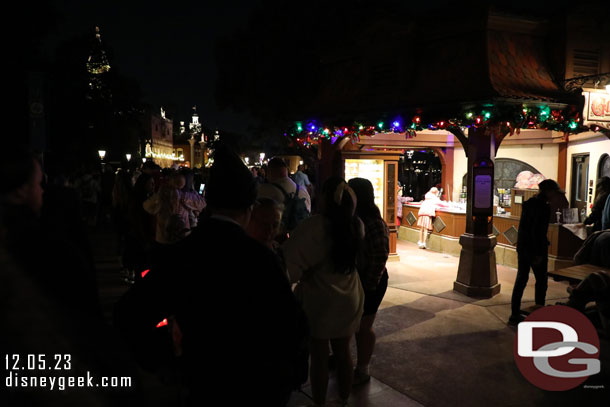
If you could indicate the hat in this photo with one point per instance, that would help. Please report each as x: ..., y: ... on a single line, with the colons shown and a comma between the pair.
x: 231, y: 184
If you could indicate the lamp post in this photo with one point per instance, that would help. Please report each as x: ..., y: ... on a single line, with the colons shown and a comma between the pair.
x: 102, y: 154
x: 128, y: 156
x: 262, y: 156
x: 203, y: 150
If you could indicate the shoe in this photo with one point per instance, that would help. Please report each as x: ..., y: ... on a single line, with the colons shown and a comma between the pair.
x: 514, y: 320
x: 360, y: 378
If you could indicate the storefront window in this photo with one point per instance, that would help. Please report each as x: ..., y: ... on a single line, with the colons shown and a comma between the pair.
x: 418, y: 171
x: 578, y: 186
x: 371, y: 170
x: 505, y: 173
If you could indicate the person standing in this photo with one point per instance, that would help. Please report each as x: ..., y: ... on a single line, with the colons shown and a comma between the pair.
x: 532, y: 247
x: 295, y: 200
x: 427, y: 211
x: 300, y: 178
x: 372, y: 270
x: 278, y: 180
x: 602, y: 191
x: 320, y: 257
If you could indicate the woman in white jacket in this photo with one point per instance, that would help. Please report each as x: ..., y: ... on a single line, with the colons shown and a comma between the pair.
x: 320, y: 257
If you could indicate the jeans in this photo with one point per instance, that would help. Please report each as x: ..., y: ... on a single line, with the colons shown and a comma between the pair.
x: 539, y: 265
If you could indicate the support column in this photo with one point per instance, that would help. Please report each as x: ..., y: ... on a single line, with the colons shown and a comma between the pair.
x: 477, y: 272
x: 192, y: 143
x: 562, y: 163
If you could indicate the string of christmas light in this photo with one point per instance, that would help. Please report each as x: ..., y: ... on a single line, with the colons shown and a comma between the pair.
x: 510, y: 119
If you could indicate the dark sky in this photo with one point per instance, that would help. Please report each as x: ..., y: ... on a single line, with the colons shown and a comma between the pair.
x: 167, y: 46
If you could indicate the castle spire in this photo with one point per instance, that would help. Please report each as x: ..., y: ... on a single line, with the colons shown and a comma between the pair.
x: 97, y: 63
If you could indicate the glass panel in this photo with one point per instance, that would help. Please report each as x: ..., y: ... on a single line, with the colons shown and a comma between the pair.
x: 578, y: 182
x: 391, y: 194
x: 371, y: 170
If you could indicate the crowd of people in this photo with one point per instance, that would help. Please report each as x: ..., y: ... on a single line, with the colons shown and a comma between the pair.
x: 291, y: 303
x: 293, y: 300
x: 304, y: 278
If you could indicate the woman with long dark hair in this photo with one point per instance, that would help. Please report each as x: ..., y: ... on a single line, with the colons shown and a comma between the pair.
x: 321, y: 258
x: 372, y: 270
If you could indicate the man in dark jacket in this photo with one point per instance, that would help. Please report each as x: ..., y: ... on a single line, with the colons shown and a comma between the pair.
x: 239, y: 323
x: 532, y: 247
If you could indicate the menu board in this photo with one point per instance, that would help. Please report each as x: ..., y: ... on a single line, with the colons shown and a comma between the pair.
x: 369, y: 169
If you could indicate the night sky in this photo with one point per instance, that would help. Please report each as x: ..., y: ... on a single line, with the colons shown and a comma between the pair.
x: 166, y: 46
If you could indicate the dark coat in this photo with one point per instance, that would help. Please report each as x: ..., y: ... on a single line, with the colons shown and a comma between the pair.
x: 241, y: 324
x: 533, y: 227
x: 595, y: 218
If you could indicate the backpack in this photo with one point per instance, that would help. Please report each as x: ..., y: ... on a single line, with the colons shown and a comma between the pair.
x: 295, y: 209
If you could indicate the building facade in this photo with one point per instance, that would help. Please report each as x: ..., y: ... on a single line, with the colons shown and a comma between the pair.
x: 159, y: 143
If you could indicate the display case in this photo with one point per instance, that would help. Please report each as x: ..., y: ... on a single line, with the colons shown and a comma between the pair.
x: 372, y: 170
x: 381, y: 168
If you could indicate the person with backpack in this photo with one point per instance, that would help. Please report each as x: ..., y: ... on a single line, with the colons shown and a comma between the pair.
x: 295, y: 199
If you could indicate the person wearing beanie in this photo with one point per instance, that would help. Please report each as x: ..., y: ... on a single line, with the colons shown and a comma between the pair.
x: 238, y: 320
x: 532, y: 247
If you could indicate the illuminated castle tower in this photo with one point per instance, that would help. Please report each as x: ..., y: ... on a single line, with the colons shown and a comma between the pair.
x: 97, y: 66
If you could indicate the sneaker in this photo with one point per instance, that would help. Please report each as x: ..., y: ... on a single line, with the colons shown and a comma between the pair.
x: 514, y: 320
x: 360, y: 378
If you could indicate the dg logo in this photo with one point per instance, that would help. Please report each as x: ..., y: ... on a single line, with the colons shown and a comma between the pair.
x: 557, y: 348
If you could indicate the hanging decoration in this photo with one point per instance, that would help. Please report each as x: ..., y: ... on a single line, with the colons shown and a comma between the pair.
x: 509, y: 118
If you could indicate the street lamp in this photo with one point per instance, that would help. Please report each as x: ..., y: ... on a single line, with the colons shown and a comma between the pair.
x: 262, y: 156
x: 128, y: 156
x: 247, y: 159
x: 102, y: 154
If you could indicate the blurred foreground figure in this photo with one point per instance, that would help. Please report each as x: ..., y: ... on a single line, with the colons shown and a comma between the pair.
x: 48, y: 301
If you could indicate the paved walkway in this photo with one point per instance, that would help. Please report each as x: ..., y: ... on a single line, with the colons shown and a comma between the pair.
x: 435, y: 347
